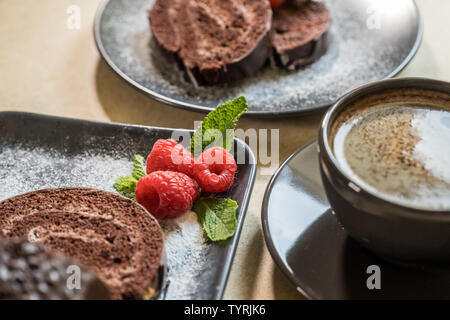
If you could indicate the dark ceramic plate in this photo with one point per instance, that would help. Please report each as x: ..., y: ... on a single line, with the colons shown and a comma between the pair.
x: 371, y: 40
x: 314, y: 252
x: 38, y: 152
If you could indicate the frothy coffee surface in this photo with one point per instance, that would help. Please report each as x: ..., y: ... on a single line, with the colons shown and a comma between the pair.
x: 397, y: 146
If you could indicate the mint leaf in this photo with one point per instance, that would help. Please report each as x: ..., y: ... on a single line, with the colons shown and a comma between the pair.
x: 138, y: 167
x: 217, y: 217
x: 219, y: 123
x: 127, y: 185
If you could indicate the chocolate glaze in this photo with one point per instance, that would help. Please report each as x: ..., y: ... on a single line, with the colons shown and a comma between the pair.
x: 29, y: 272
x: 300, y: 33
x: 115, y: 237
x: 215, y: 41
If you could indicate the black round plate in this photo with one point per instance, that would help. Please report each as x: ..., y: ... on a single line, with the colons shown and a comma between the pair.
x: 371, y: 40
x: 314, y: 252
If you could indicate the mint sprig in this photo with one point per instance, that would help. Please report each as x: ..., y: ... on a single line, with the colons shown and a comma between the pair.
x: 138, y: 167
x: 217, y: 217
x: 127, y: 185
x: 219, y: 123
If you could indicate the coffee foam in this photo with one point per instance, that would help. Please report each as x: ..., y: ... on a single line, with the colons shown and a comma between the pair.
x: 397, y: 146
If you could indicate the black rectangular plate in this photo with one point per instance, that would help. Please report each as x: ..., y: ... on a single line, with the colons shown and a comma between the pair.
x: 38, y: 151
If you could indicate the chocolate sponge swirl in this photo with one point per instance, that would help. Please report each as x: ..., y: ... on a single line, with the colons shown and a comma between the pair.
x: 116, y: 238
x: 216, y: 41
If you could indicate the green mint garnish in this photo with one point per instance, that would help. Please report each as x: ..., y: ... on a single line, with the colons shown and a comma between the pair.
x: 217, y: 217
x: 127, y: 185
x: 138, y: 167
x: 220, y: 122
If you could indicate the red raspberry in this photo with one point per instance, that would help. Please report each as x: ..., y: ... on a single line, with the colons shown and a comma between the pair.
x: 166, y: 194
x: 214, y: 170
x: 168, y: 155
x: 276, y: 3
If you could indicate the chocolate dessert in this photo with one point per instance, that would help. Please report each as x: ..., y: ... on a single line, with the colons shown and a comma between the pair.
x: 215, y: 41
x: 29, y: 272
x: 300, y: 33
x: 113, y: 236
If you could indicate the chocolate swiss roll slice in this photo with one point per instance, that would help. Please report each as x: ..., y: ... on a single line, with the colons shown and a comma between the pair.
x: 215, y: 41
x: 111, y: 235
x: 300, y: 33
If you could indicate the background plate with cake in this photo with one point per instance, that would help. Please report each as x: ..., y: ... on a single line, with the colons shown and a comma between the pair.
x: 294, y: 58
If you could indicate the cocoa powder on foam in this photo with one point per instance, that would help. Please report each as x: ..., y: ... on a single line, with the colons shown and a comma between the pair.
x: 379, y: 143
x: 426, y: 98
x: 111, y: 235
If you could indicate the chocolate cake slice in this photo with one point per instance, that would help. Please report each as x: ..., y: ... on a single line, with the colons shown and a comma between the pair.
x: 29, y: 272
x: 110, y: 234
x: 300, y: 33
x: 215, y: 41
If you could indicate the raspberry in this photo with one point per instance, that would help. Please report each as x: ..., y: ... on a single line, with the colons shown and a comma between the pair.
x: 276, y: 3
x: 168, y: 155
x: 214, y: 170
x: 166, y: 194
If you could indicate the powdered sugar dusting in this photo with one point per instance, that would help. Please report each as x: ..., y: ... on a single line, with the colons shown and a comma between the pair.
x: 44, y: 168
x: 357, y: 55
x: 185, y: 244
